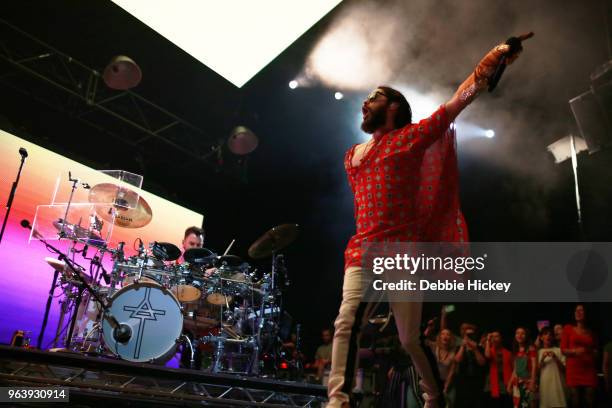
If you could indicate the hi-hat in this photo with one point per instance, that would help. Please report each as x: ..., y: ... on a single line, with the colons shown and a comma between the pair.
x: 122, y: 73
x: 274, y: 240
x: 119, y: 213
x: 242, y: 141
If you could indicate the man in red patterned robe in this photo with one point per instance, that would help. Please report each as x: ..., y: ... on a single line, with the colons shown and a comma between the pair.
x: 405, y: 185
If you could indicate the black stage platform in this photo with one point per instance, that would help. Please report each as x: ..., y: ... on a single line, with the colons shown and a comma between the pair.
x: 96, y: 381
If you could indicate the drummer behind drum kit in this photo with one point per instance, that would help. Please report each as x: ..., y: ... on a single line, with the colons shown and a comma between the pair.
x: 150, y: 299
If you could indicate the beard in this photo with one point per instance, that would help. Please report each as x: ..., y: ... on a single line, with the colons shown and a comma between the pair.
x: 375, y: 120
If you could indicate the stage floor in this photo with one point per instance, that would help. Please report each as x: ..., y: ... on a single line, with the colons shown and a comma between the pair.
x: 96, y: 381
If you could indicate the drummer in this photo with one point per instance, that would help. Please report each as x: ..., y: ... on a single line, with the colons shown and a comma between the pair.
x: 194, y: 238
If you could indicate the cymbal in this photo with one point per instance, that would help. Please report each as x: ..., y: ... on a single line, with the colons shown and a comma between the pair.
x: 119, y: 213
x: 165, y: 251
x: 274, y: 240
x: 76, y: 232
x: 56, y: 263
x: 60, y: 266
x: 201, y: 256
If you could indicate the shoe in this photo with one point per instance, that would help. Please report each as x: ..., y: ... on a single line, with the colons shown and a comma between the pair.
x: 434, y: 402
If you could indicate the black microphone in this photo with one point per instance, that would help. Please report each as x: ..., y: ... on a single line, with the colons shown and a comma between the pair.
x: 516, y: 46
x: 85, y: 248
x: 23, y: 152
x: 122, y: 333
x: 26, y: 224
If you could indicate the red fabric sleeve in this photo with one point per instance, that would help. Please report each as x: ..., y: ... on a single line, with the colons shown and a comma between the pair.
x: 422, y: 134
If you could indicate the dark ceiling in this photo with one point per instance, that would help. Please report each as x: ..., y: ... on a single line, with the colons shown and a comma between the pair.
x: 296, y: 173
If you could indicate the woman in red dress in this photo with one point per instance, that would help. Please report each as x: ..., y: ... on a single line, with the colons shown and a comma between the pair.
x: 579, y: 345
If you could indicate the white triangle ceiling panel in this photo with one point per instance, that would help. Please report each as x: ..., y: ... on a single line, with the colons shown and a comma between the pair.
x: 235, y: 38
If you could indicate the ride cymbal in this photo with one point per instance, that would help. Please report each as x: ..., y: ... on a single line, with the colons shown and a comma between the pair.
x: 274, y: 240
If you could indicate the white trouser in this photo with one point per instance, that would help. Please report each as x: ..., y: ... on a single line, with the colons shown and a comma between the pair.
x: 353, y: 315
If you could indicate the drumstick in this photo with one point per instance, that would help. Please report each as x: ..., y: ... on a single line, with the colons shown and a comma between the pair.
x: 229, y: 246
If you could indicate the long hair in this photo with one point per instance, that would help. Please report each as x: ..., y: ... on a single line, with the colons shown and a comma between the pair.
x: 404, y: 112
x: 516, y: 346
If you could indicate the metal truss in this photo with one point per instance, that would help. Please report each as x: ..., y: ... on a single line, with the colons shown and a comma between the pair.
x: 95, y: 380
x: 76, y: 89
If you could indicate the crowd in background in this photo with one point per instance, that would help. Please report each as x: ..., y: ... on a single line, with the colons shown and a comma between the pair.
x: 555, y: 367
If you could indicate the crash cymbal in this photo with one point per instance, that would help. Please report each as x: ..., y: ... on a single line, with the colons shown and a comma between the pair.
x: 274, y: 240
x: 56, y: 263
x: 165, y: 251
x: 119, y: 213
x: 76, y: 232
x: 199, y: 256
x: 60, y: 266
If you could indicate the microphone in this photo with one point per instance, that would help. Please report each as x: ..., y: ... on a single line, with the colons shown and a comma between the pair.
x: 26, y: 224
x: 516, y: 46
x: 23, y: 152
x: 122, y: 333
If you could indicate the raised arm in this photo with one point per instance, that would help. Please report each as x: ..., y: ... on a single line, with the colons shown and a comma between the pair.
x: 479, y: 79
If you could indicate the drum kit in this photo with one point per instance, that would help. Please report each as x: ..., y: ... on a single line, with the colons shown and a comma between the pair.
x: 222, y: 313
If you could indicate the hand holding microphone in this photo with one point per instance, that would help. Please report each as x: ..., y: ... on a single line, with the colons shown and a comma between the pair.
x: 509, y: 53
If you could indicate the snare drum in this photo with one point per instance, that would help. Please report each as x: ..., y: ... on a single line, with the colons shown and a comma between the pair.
x: 155, y: 320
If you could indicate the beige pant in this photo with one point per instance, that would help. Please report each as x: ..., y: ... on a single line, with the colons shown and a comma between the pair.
x: 351, y: 318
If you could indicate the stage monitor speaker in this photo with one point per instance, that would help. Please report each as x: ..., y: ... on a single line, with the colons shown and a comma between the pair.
x: 593, y: 113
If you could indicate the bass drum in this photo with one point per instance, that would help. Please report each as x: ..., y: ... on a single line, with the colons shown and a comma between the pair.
x: 154, y: 317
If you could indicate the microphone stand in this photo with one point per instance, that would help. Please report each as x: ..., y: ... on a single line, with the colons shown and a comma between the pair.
x: 11, y: 196
x: 47, y: 310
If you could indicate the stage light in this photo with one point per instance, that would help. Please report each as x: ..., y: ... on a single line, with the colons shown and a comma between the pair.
x: 489, y: 133
x: 235, y: 38
x: 338, y: 95
x: 122, y: 73
x: 242, y: 141
x: 293, y: 84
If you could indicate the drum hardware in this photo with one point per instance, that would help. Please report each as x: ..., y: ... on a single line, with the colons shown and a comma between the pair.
x: 121, y: 332
x: 191, y: 351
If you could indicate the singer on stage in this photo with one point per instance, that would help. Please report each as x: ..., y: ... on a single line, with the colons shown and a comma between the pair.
x: 405, y: 185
